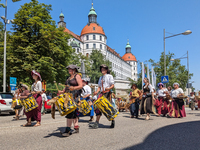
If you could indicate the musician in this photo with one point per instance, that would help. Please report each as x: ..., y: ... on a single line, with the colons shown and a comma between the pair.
x: 191, y: 99
x: 148, y: 99
x: 105, y: 83
x: 162, y: 102
x: 75, y: 85
x: 86, y: 93
x: 134, y: 96
x: 25, y: 93
x: 36, y: 90
x: 177, y: 107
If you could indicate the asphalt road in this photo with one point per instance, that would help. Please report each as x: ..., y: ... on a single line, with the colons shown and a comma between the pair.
x: 159, y: 133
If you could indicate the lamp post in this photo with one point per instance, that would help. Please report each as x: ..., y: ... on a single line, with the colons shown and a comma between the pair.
x: 6, y: 21
x: 184, y: 33
x: 187, y: 67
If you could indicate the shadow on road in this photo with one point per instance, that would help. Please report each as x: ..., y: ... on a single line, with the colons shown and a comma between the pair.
x: 173, y: 137
x: 56, y: 132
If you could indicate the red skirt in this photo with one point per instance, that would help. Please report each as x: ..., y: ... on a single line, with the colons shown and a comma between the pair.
x: 35, y: 114
x: 177, y: 109
x: 162, y: 106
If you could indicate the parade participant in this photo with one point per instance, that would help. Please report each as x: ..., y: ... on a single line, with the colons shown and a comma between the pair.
x: 36, y: 90
x: 162, y: 102
x: 75, y: 85
x: 86, y: 93
x: 17, y: 107
x: 169, y: 88
x: 44, y: 99
x: 148, y: 99
x: 106, y: 83
x: 29, y: 114
x: 191, y: 100
x: 177, y: 107
x: 134, y: 95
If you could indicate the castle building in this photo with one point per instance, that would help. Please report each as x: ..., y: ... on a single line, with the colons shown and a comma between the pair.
x: 93, y: 37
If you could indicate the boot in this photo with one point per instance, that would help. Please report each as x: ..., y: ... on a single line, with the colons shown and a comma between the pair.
x: 112, y: 124
x: 76, y: 129
x: 95, y: 125
x: 67, y: 132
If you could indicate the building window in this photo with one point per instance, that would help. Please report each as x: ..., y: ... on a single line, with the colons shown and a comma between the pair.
x: 87, y: 46
x: 100, y: 38
x: 87, y: 37
x: 134, y: 74
x: 129, y: 57
x: 100, y: 46
x: 77, y: 50
x: 94, y: 46
x: 94, y: 37
x: 87, y: 54
x: 134, y: 68
x: 93, y: 28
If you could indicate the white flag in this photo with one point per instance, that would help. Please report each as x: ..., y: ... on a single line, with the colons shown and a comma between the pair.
x: 142, y: 74
x: 153, y: 75
x: 148, y: 73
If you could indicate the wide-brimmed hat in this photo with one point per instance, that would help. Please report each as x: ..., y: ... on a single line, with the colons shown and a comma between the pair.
x: 24, y: 85
x: 106, y: 67
x: 73, y: 67
x: 36, y: 73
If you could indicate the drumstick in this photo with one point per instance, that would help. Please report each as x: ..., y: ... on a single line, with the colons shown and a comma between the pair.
x: 56, y: 85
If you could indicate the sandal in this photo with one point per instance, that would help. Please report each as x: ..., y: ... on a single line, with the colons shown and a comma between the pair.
x: 37, y: 124
x: 27, y: 125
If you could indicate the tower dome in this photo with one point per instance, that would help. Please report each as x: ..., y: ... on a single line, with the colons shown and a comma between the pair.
x: 128, y: 56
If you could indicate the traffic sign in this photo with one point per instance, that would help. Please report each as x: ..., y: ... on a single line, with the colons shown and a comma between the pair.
x: 12, y: 88
x: 13, y: 81
x: 165, y: 79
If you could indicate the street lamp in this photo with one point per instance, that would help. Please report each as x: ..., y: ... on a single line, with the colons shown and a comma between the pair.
x: 187, y: 67
x: 6, y: 21
x: 184, y: 33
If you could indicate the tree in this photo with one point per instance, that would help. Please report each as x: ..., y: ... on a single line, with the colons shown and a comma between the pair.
x: 2, y: 5
x: 175, y: 71
x: 38, y: 45
x: 97, y: 59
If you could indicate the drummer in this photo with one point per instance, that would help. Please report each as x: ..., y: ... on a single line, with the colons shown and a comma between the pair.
x: 86, y: 93
x: 177, y: 107
x: 106, y: 83
x: 75, y: 85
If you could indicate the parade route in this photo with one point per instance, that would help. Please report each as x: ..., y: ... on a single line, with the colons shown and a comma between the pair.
x: 157, y: 133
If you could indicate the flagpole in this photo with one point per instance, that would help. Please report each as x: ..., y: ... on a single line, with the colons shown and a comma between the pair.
x: 142, y: 74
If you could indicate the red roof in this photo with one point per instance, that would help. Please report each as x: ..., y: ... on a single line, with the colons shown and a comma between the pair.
x: 92, y: 28
x: 113, y: 51
x: 129, y: 57
x: 73, y: 34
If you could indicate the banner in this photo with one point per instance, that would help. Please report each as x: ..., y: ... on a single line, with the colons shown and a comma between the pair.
x: 153, y: 76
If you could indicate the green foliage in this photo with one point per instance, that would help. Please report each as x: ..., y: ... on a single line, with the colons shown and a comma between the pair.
x: 2, y: 5
x: 174, y: 69
x: 97, y: 59
x: 37, y: 44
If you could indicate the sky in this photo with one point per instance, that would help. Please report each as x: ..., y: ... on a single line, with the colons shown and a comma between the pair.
x: 140, y: 21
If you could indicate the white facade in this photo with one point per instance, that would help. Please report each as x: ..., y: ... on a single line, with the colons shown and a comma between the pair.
x: 89, y: 41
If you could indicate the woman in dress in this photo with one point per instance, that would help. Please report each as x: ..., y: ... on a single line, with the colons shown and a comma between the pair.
x: 177, y: 107
x: 134, y: 95
x: 148, y: 99
x: 75, y: 85
x: 191, y: 99
x: 162, y: 102
x: 106, y: 83
x: 36, y: 91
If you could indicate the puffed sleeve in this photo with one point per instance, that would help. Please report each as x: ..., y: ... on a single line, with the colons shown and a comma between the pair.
x: 39, y: 85
x: 151, y: 88
x: 181, y: 90
x: 89, y: 90
x: 111, y: 79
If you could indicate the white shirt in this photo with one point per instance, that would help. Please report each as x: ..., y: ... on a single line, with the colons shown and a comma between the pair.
x: 44, y: 97
x: 108, y: 81
x: 150, y: 88
x: 86, y: 91
x: 161, y: 93
x: 175, y: 93
x: 37, y: 87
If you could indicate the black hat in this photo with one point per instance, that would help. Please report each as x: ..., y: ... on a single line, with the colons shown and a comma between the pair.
x: 106, y: 67
x: 73, y: 67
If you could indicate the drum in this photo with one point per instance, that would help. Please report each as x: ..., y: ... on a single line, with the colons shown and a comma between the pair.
x: 71, y: 106
x: 29, y: 104
x: 16, y: 104
x: 84, y: 107
x: 106, y: 108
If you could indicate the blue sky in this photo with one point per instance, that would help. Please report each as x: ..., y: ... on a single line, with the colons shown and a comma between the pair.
x: 142, y: 22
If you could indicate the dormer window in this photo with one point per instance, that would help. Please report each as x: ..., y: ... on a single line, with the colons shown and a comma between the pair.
x: 93, y: 28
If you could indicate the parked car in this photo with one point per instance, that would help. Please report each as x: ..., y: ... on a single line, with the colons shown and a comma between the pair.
x: 6, y: 102
x: 47, y: 108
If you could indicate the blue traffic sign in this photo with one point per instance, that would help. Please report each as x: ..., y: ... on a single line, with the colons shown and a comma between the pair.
x: 13, y: 81
x: 12, y: 88
x: 165, y: 79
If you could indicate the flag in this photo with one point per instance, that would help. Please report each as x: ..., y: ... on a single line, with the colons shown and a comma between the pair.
x: 143, y: 74
x: 153, y: 76
x: 148, y: 73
